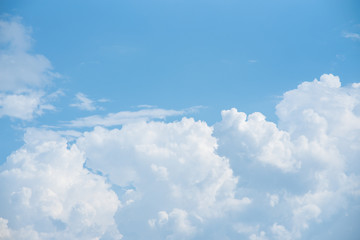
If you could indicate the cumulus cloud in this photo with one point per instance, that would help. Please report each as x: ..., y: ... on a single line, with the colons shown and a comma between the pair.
x: 255, y: 138
x: 47, y: 194
x: 316, y: 151
x: 243, y: 178
x: 22, y: 74
x: 177, y: 180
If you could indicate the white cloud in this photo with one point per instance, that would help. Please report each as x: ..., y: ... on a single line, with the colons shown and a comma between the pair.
x: 261, y: 236
x: 22, y: 75
x: 353, y: 36
x: 273, y: 199
x: 146, y: 106
x: 19, y: 69
x: 4, y: 230
x: 356, y: 85
x: 124, y: 117
x: 84, y: 103
x: 255, y: 138
x: 316, y: 146
x: 280, y: 232
x: 23, y: 106
x: 243, y: 177
x: 176, y: 222
x: 45, y: 189
x: 170, y: 166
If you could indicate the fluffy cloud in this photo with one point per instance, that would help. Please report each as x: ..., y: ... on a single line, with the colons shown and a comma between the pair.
x: 22, y: 74
x: 47, y: 194
x: 316, y: 152
x: 23, y: 105
x: 169, y: 179
x: 255, y: 138
x: 177, y: 180
x: 243, y: 178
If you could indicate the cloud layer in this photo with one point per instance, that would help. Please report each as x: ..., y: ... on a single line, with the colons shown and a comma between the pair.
x: 243, y: 178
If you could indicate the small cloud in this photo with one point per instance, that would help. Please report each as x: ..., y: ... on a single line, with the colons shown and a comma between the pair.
x: 252, y: 61
x: 103, y: 100
x: 356, y: 85
x: 84, y: 103
x: 353, y: 36
x: 340, y: 57
x: 25, y: 105
x: 273, y: 199
x: 145, y: 106
x: 195, y: 109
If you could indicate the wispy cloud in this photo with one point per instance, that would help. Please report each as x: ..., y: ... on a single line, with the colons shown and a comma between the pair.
x: 124, y: 117
x: 84, y: 103
x: 340, y: 57
x: 145, y: 106
x: 353, y: 36
x: 23, y: 74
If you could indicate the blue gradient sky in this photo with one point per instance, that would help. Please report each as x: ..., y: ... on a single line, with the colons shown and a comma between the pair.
x: 178, y: 54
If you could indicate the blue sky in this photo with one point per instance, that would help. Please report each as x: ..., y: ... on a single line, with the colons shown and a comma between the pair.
x: 116, y: 75
x: 178, y: 54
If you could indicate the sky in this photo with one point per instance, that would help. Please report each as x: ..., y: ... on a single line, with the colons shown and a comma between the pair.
x: 180, y: 119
